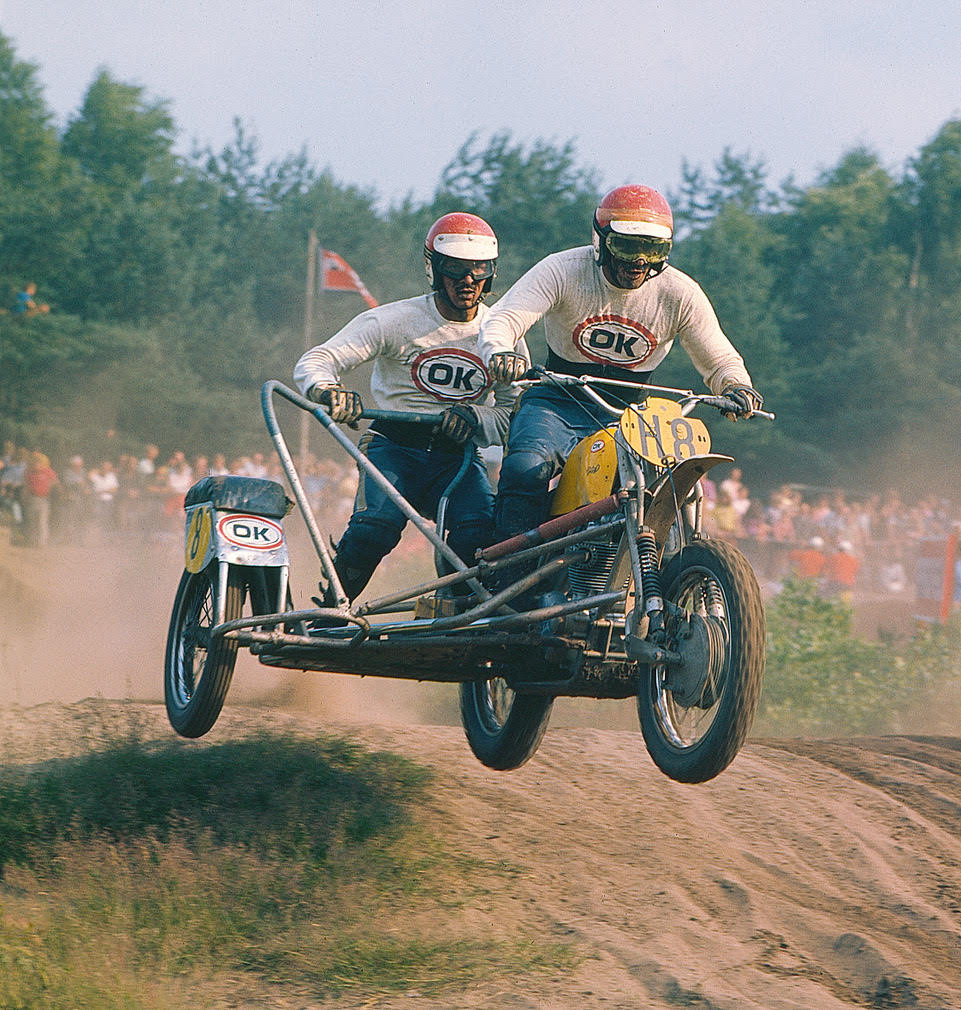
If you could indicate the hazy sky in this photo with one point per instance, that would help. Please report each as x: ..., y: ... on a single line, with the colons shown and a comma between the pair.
x: 384, y: 93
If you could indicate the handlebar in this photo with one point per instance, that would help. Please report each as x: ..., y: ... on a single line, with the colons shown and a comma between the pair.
x: 538, y: 375
x: 272, y: 387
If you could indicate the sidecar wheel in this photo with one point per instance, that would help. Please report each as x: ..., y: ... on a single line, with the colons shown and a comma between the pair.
x: 696, y: 717
x: 503, y: 728
x: 197, y: 671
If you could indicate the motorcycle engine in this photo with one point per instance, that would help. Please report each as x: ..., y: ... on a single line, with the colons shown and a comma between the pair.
x: 591, y: 576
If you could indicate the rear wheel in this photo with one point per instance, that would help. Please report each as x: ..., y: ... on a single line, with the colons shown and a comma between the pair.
x: 696, y: 716
x: 197, y: 668
x: 503, y: 728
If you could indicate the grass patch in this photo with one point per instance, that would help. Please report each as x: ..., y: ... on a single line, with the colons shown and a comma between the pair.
x: 134, y: 874
x: 822, y: 680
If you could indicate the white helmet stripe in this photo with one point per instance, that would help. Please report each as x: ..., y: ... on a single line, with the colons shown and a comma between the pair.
x: 648, y: 228
x: 466, y: 247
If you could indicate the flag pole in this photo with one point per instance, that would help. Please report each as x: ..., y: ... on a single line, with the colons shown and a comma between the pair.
x: 309, y: 295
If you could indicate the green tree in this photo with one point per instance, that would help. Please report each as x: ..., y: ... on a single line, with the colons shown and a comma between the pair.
x: 843, y: 277
x: 29, y: 161
x: 840, y: 266
x: 123, y: 256
x: 930, y: 232
x: 120, y: 138
x: 728, y: 246
x: 737, y: 181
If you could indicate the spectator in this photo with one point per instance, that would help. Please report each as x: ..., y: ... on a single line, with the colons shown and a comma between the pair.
x: 129, y: 493
x: 809, y: 561
x: 147, y: 463
x: 725, y: 518
x: 732, y: 484
x: 73, y: 504
x: 11, y: 486
x: 180, y: 477
x: 755, y: 524
x: 841, y: 570
x: 157, y: 491
x: 256, y: 467
x: 26, y: 305
x: 105, y: 484
x: 41, y: 480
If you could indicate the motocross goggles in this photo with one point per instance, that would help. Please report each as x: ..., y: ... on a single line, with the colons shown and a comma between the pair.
x: 637, y: 248
x: 458, y: 269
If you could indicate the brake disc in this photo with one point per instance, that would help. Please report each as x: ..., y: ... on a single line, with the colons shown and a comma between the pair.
x: 702, y: 646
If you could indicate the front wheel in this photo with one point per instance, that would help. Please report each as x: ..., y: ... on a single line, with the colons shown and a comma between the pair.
x: 696, y: 716
x: 503, y: 728
x: 197, y: 668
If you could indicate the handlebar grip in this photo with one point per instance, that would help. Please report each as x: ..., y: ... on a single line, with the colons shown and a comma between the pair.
x: 408, y: 417
x: 730, y: 407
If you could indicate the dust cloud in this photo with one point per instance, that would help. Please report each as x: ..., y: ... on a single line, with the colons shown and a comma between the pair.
x: 91, y: 621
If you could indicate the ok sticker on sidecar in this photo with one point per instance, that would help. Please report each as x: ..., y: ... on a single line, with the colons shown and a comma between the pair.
x: 254, y: 532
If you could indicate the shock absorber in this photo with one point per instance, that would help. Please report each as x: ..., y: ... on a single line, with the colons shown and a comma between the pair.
x: 650, y: 575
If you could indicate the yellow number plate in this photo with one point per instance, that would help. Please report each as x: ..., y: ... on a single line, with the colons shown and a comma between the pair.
x: 661, y: 434
x: 198, y: 540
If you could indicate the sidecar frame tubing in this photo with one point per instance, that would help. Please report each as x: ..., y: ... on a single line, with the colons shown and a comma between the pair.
x: 453, y: 648
x: 272, y: 387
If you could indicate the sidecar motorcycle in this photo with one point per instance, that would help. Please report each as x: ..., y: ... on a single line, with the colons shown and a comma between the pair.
x: 619, y: 594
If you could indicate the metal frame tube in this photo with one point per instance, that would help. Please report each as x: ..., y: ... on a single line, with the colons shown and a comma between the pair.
x: 271, y: 387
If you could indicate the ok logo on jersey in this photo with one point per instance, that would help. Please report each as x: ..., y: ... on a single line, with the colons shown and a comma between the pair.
x: 448, y: 373
x: 611, y: 339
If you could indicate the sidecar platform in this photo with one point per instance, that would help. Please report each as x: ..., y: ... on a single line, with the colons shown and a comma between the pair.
x: 441, y: 658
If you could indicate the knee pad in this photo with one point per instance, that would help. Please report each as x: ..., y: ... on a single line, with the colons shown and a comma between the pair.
x: 525, y: 473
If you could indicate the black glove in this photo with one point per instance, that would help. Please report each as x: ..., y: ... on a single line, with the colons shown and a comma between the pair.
x: 747, y: 399
x: 506, y: 366
x: 343, y: 405
x: 458, y: 423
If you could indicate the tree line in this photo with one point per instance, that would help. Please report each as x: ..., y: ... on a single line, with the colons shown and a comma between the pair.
x: 177, y: 283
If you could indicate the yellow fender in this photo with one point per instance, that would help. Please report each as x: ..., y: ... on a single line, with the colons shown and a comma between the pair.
x: 673, y: 490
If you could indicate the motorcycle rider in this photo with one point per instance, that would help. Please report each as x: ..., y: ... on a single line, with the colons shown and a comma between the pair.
x: 425, y: 358
x: 612, y: 309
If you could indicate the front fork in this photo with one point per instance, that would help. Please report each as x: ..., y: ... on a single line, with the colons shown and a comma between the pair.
x: 645, y: 633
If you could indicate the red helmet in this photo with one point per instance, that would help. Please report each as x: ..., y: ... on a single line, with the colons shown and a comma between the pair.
x: 633, y: 223
x: 460, y: 236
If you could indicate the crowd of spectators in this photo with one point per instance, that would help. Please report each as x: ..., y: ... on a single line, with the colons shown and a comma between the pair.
x: 844, y: 542
x: 137, y: 495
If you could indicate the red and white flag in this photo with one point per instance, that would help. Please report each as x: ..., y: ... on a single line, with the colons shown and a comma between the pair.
x: 337, y: 275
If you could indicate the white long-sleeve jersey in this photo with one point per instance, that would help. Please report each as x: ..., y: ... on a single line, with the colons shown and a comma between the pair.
x: 587, y: 318
x: 422, y: 362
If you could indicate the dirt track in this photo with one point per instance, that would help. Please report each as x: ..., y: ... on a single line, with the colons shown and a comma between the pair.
x: 811, y: 874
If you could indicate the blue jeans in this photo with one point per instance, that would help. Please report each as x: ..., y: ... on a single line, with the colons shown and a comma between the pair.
x: 421, y: 475
x: 547, y: 426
